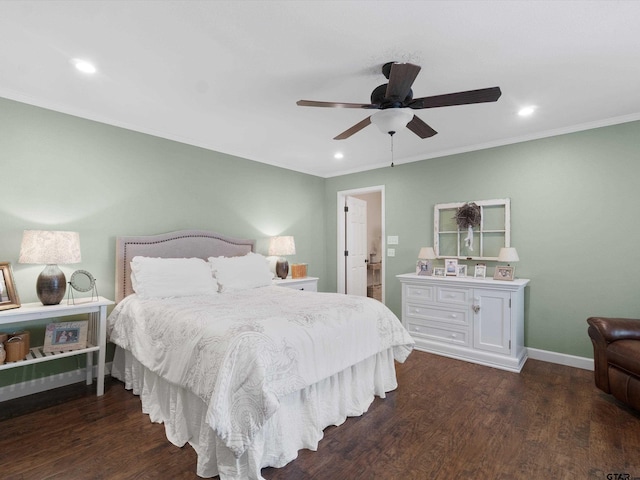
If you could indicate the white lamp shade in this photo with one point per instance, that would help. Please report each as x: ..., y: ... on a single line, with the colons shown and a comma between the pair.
x: 50, y: 247
x: 280, y: 246
x: 392, y: 119
x: 508, y: 254
x: 427, y: 253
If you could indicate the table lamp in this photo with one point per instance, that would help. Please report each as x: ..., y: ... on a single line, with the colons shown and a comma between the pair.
x: 427, y: 254
x: 50, y: 248
x: 279, y: 247
x: 508, y: 254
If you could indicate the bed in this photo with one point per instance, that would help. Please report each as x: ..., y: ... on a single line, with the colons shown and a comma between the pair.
x: 246, y: 372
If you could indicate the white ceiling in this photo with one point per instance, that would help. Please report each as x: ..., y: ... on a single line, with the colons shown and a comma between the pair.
x: 226, y: 75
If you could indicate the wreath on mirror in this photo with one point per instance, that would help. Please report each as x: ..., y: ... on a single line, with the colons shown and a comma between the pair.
x: 468, y: 216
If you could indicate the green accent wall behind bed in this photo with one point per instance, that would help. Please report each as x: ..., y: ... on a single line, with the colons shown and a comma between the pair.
x: 62, y: 172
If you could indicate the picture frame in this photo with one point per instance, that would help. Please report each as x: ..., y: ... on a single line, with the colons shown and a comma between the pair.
x: 65, y: 336
x: 439, y: 272
x: 480, y: 271
x: 462, y: 270
x: 451, y: 266
x: 8, y: 294
x: 504, y: 273
x: 424, y: 267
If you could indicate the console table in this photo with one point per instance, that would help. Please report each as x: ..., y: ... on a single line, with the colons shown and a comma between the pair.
x: 96, y: 335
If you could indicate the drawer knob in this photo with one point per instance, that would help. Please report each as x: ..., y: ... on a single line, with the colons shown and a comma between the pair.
x: 453, y: 315
x: 453, y: 335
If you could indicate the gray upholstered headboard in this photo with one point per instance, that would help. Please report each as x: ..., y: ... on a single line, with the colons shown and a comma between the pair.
x: 180, y: 244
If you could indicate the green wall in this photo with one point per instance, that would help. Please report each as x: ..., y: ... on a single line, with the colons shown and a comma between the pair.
x: 574, y: 203
x: 61, y: 172
x: 573, y: 199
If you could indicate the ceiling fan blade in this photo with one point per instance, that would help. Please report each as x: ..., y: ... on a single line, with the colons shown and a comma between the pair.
x: 460, y: 98
x: 313, y: 103
x: 420, y: 128
x: 401, y: 78
x: 355, y: 129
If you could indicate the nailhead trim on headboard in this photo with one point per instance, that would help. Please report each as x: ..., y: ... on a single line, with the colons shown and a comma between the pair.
x: 221, y: 245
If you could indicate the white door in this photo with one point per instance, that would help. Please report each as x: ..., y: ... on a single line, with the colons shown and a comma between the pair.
x: 356, y: 255
x: 492, y: 321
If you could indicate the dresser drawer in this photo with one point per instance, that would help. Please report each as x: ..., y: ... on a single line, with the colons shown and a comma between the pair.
x: 419, y: 293
x: 438, y: 333
x: 438, y: 314
x: 454, y: 296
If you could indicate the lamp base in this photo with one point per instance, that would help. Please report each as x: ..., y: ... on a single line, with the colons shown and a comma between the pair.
x: 282, y: 268
x: 51, y: 285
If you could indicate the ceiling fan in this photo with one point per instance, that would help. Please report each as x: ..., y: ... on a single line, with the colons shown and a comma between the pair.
x: 395, y: 102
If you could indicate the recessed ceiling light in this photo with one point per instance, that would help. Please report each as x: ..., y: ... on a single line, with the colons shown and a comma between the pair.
x: 338, y: 156
x: 84, y: 66
x: 526, y: 111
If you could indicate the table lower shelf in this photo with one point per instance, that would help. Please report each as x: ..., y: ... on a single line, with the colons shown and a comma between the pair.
x: 37, y: 355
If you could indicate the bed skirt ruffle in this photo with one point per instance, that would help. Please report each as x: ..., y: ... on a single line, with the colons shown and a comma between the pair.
x: 297, y: 424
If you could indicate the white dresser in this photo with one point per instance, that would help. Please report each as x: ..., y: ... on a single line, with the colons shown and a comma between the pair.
x: 477, y: 320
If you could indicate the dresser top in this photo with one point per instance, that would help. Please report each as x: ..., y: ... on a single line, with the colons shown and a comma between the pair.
x: 465, y: 281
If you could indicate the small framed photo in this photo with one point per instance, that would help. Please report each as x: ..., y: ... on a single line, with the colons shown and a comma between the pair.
x: 8, y: 293
x: 462, y: 270
x: 424, y: 267
x: 451, y: 266
x: 480, y: 271
x: 503, y: 273
x: 65, y: 336
x: 439, y: 272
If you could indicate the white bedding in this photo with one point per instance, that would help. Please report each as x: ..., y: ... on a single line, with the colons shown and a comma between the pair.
x: 298, y: 423
x: 243, y: 354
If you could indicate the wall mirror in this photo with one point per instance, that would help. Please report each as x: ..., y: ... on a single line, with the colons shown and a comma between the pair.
x: 482, y: 242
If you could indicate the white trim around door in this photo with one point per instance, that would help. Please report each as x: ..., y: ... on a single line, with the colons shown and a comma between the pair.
x: 341, y: 234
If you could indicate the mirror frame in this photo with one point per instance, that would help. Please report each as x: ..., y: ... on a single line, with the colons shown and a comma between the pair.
x: 73, y: 281
x: 452, y: 207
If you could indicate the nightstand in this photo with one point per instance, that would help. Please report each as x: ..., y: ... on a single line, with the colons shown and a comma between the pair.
x: 96, y: 338
x: 310, y: 284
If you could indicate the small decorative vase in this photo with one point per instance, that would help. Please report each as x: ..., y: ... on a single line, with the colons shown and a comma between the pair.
x: 3, y: 354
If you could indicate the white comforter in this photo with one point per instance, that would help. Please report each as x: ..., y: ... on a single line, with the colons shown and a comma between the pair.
x: 240, y: 352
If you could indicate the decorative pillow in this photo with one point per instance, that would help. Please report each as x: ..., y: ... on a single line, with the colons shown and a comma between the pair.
x: 241, y: 273
x: 171, y: 277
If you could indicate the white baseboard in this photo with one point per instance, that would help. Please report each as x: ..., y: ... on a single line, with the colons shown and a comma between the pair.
x: 561, y: 358
x: 30, y: 387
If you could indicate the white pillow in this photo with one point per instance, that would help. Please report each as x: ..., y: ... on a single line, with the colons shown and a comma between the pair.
x: 171, y: 277
x: 241, y: 273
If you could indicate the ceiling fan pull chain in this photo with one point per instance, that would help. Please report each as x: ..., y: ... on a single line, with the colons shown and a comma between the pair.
x: 391, y: 135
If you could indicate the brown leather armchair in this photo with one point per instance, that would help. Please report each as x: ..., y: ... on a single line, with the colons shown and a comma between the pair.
x: 616, y: 354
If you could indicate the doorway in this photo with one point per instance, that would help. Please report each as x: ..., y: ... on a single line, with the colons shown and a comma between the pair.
x: 374, y: 244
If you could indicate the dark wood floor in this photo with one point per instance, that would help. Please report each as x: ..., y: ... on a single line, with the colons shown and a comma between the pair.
x: 447, y: 420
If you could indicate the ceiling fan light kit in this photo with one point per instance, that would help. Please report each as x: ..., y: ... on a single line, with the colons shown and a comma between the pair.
x: 395, y: 102
x: 392, y: 119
